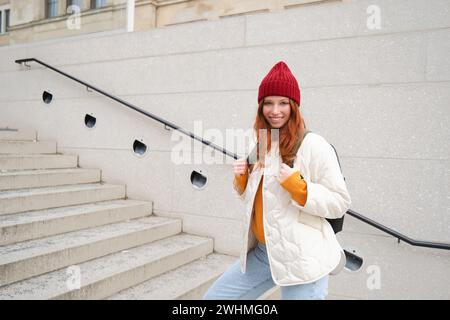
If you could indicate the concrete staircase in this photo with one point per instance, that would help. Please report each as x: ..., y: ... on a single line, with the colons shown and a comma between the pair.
x: 65, y: 234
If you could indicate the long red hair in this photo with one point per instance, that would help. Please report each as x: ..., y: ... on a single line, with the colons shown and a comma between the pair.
x: 289, y: 134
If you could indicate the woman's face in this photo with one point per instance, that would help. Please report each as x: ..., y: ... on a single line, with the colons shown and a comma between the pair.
x: 276, y: 110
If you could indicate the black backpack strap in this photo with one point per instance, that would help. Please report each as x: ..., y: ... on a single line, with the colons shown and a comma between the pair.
x: 338, y: 160
x: 298, y: 147
x: 252, y: 154
x: 298, y: 144
x: 304, y: 136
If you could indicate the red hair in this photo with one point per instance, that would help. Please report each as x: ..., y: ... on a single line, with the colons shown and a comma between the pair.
x: 289, y: 134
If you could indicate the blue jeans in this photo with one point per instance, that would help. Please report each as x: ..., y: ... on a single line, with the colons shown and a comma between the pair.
x: 233, y: 284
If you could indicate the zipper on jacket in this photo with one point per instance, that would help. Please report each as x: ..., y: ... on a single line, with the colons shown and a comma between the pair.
x: 265, y: 235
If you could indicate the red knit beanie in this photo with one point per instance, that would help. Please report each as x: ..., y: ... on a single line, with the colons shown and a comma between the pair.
x: 279, y: 82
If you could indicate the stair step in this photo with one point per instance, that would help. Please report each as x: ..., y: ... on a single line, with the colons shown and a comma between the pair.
x: 47, y: 177
x: 37, y: 161
x: 24, y: 134
x: 30, y: 258
x: 189, y: 281
x: 27, y: 147
x: 43, y: 223
x: 20, y: 200
x: 102, y: 277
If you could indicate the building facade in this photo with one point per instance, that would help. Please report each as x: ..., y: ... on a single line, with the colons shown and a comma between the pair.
x: 27, y: 21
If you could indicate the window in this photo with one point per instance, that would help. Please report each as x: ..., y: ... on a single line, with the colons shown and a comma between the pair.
x: 97, y: 4
x: 51, y: 8
x: 4, y: 19
x: 74, y: 3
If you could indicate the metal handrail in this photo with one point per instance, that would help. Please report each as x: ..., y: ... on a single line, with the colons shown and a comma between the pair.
x: 399, y: 236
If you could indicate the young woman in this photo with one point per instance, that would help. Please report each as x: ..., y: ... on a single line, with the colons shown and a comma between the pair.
x: 287, y: 240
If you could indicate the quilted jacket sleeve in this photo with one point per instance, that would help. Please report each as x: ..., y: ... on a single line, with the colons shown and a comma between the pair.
x: 297, y: 188
x: 327, y: 196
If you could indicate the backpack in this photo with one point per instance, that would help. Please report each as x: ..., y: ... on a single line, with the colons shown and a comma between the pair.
x: 336, y: 224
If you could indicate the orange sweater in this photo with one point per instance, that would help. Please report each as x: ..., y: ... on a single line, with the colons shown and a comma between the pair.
x: 294, y: 184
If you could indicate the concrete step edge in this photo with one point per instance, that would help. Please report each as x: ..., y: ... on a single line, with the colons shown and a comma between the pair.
x: 30, y: 258
x: 180, y: 283
x: 26, y: 192
x: 104, y: 276
x: 23, y: 134
x: 28, y: 199
x: 23, y: 179
x: 23, y: 226
x: 32, y: 172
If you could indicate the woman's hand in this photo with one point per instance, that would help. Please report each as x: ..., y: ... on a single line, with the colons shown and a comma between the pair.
x: 285, y: 172
x: 240, y: 167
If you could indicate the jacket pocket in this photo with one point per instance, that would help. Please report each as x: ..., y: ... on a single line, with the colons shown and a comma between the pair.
x: 310, y: 220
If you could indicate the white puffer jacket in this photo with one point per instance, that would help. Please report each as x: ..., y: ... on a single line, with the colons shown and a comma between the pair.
x: 301, y: 244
